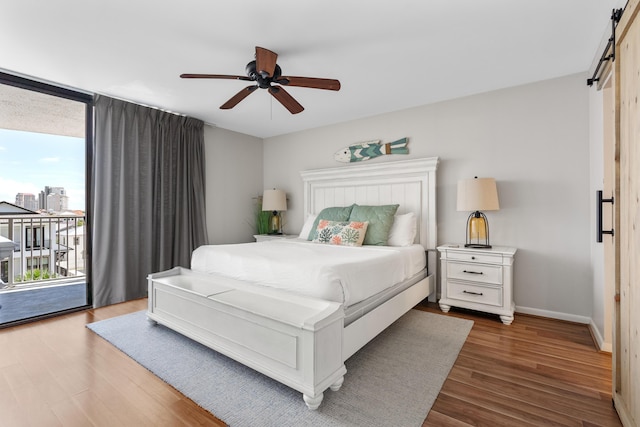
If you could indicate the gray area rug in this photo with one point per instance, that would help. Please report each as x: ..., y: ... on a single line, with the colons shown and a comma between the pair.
x: 392, y: 381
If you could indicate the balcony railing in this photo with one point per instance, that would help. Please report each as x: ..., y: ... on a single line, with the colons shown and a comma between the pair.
x: 47, y: 249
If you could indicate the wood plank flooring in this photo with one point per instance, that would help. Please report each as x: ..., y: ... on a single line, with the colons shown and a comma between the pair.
x: 535, y: 372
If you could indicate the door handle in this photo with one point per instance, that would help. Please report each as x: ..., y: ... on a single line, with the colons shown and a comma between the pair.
x: 599, y: 202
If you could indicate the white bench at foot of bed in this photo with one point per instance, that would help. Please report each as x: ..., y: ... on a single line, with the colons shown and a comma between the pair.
x: 293, y: 339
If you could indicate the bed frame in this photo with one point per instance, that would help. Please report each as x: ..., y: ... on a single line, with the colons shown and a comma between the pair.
x: 299, y: 341
x: 409, y: 183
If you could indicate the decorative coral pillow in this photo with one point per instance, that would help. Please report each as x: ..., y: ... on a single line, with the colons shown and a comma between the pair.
x: 342, y: 233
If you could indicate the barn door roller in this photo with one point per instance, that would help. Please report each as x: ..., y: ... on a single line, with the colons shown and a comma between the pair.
x: 609, y: 53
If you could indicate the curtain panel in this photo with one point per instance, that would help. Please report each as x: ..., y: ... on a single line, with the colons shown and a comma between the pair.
x: 148, y: 196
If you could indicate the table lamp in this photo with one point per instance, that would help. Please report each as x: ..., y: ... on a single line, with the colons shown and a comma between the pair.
x: 475, y: 195
x: 274, y: 201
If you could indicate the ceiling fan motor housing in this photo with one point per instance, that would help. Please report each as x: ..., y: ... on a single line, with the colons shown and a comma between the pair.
x: 263, y: 79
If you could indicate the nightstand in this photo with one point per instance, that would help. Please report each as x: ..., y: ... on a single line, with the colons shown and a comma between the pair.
x: 478, y: 279
x: 265, y: 237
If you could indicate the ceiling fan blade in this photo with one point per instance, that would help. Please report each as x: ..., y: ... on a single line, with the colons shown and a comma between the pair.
x: 285, y: 99
x: 265, y: 61
x: 213, y: 76
x: 235, y: 99
x: 312, y: 82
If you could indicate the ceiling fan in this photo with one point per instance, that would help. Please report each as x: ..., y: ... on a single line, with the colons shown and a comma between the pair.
x: 268, y: 75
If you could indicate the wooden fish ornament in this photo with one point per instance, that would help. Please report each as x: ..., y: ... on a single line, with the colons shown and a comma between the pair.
x: 370, y: 150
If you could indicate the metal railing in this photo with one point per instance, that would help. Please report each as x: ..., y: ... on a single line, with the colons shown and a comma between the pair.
x: 47, y: 249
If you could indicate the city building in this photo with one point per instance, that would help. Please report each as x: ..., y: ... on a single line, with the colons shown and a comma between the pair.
x: 27, y: 201
x: 53, y: 199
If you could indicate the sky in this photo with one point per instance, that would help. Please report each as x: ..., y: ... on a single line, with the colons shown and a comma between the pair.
x: 30, y: 161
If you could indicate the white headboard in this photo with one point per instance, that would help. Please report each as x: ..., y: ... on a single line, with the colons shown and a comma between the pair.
x: 409, y: 183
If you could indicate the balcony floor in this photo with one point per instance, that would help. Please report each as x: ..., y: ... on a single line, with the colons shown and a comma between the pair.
x: 25, y: 303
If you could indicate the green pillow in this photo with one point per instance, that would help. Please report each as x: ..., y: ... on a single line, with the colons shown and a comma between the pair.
x: 331, y: 214
x: 380, y: 219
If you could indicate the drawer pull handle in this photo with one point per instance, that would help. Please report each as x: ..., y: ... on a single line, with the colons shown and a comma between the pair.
x: 472, y: 272
x: 472, y: 293
x: 473, y: 257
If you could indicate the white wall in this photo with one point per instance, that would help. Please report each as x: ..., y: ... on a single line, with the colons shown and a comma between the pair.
x: 596, y: 181
x: 602, y: 159
x: 533, y: 139
x: 234, y: 177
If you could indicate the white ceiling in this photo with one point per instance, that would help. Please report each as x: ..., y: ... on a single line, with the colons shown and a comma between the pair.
x: 388, y: 55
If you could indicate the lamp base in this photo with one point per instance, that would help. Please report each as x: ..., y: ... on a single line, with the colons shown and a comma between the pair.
x: 477, y: 231
x: 477, y: 246
x: 275, y: 223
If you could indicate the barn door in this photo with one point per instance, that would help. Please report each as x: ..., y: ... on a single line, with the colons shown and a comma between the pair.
x: 626, y: 361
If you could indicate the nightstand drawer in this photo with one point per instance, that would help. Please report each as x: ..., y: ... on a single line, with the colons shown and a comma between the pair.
x: 475, y: 272
x: 473, y: 293
x: 475, y: 257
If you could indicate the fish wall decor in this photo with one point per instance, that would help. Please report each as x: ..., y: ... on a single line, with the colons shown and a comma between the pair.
x: 370, y: 150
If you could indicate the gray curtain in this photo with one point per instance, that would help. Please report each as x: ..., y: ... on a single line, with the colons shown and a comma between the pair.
x: 148, y: 196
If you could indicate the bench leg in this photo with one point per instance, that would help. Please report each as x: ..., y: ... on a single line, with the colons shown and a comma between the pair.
x: 313, y: 402
x: 336, y: 386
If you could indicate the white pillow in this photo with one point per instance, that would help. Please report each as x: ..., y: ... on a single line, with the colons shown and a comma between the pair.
x: 403, y: 230
x: 308, y: 225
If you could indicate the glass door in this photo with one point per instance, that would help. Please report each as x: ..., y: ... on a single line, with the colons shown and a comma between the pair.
x: 45, y: 143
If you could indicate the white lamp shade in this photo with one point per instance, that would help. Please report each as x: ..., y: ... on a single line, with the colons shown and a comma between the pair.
x: 477, y: 194
x: 274, y: 200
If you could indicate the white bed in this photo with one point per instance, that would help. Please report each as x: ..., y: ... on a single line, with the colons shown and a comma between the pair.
x: 357, y: 305
x: 343, y: 274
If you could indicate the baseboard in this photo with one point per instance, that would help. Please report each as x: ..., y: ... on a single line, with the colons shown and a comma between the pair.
x: 595, y: 333
x: 554, y: 315
x: 599, y: 340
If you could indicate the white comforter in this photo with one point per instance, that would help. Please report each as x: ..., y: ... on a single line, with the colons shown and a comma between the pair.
x: 336, y: 273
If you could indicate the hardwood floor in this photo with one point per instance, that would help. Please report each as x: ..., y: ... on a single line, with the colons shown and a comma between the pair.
x: 535, y: 372
x: 58, y: 373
